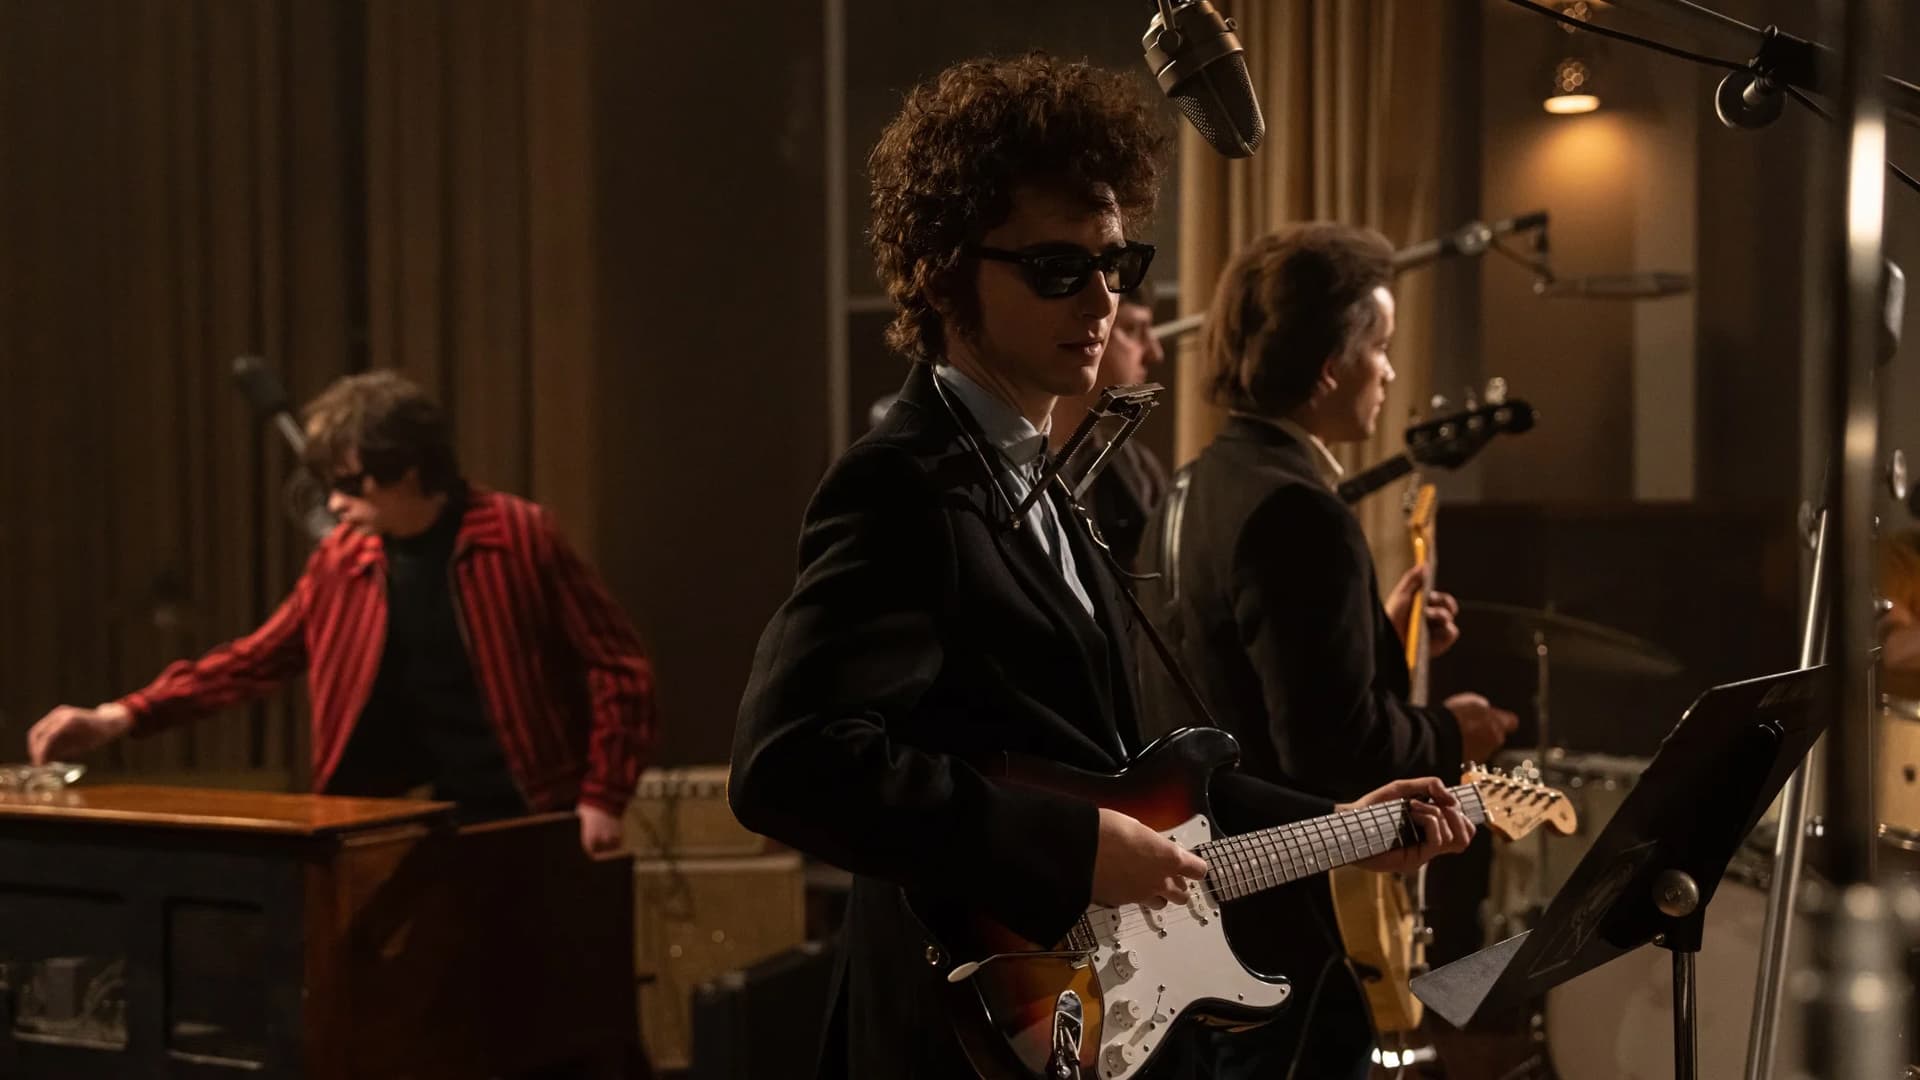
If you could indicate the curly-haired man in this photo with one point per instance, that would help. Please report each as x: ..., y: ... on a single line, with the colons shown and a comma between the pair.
x: 927, y: 636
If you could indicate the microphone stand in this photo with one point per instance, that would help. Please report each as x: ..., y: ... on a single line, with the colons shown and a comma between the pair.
x: 1752, y: 96
x: 1846, y: 288
x: 268, y: 397
x: 1473, y: 238
x: 1789, y: 844
x: 1856, y: 1015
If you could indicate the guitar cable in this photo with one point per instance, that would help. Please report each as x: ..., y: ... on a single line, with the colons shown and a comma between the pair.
x: 1313, y: 1004
x: 1336, y: 959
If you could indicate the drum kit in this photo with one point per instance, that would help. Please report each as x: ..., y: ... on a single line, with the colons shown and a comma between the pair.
x: 1610, y: 1022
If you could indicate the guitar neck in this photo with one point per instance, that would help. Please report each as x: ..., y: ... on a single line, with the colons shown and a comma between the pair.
x: 1420, y: 692
x: 1364, y: 483
x: 1254, y: 862
x: 1420, y: 671
x: 1420, y: 530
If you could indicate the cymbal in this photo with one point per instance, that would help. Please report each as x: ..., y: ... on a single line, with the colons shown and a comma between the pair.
x: 1573, y: 642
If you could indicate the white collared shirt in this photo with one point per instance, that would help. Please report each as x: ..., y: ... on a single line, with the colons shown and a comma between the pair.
x: 1019, y: 444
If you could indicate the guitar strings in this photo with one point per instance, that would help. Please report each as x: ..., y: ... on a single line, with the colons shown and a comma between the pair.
x: 1267, y: 858
x: 1277, y: 861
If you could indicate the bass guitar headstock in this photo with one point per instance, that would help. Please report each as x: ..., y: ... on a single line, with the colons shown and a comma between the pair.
x: 1451, y: 440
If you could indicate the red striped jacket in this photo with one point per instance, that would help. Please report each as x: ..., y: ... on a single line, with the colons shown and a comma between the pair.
x: 565, y: 684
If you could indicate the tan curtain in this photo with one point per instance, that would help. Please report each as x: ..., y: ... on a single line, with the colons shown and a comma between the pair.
x: 160, y: 214
x: 325, y: 185
x: 480, y: 261
x: 1349, y: 89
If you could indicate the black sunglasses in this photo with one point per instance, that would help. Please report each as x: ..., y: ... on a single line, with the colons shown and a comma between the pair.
x: 352, y: 485
x: 1054, y: 271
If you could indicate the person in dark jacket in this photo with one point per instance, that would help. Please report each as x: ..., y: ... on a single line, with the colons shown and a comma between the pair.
x: 927, y: 637
x: 1266, y: 585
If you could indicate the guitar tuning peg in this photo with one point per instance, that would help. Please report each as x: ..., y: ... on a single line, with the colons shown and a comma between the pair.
x: 1469, y: 400
x: 1496, y: 392
x: 1438, y: 403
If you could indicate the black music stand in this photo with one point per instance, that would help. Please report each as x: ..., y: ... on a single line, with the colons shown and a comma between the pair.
x: 1652, y: 871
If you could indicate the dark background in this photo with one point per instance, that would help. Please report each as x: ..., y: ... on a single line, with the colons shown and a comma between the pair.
x: 599, y: 230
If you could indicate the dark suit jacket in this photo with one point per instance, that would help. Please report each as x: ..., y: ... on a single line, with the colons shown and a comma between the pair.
x: 1122, y: 499
x: 923, y: 639
x: 1278, y: 618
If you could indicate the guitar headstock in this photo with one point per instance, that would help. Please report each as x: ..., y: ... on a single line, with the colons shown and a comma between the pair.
x: 1452, y: 440
x: 1516, y: 807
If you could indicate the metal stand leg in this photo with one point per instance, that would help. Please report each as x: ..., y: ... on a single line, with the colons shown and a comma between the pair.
x: 1855, y: 1019
x: 1789, y: 844
x: 1677, y: 896
x: 1542, y: 887
x: 1686, y: 1034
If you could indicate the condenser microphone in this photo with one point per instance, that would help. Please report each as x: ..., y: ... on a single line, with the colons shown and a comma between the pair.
x: 1644, y: 286
x: 1197, y: 59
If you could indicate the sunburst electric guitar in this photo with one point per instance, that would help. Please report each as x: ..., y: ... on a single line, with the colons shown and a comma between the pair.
x: 1101, y: 1001
x: 1382, y: 917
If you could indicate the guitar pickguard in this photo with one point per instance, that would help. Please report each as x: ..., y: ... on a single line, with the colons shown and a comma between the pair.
x: 1155, y: 964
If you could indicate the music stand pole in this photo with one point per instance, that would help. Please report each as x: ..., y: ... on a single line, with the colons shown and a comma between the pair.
x: 1677, y: 896
x: 1686, y: 1040
x: 1790, y: 842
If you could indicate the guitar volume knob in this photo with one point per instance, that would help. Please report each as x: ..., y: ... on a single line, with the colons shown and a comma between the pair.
x: 1120, y: 1057
x: 1124, y: 1014
x: 1126, y: 963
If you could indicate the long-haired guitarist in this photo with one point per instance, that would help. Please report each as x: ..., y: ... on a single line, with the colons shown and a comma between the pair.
x: 1267, y: 585
x: 934, y: 629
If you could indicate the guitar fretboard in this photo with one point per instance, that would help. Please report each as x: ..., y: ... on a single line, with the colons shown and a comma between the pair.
x: 1242, y: 865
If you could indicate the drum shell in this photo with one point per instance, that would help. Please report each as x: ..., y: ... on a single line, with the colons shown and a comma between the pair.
x: 1896, y: 796
x: 1525, y: 873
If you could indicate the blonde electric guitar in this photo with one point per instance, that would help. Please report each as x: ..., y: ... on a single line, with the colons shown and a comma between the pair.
x: 1382, y: 916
